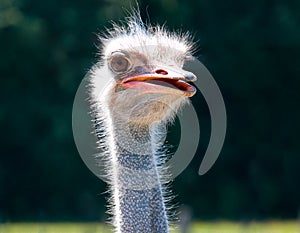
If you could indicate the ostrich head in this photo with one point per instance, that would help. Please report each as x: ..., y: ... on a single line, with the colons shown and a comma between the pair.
x: 145, y: 87
x: 145, y: 66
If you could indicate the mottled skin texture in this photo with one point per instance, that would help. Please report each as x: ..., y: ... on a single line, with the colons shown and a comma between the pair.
x: 142, y: 208
x: 134, y: 115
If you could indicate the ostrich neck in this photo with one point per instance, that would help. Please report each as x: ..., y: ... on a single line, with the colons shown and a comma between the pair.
x: 137, y: 191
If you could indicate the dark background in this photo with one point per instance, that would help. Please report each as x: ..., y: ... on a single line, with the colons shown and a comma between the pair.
x: 252, y: 48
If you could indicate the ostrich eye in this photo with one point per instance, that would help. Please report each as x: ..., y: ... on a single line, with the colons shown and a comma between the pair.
x: 119, y: 63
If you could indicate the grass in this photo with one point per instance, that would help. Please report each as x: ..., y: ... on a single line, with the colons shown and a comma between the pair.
x: 254, y: 227
x: 198, y: 227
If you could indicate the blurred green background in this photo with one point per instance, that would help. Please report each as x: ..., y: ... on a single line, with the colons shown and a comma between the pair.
x: 252, y: 48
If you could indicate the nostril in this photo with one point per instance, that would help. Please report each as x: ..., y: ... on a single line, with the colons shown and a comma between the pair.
x: 161, y: 71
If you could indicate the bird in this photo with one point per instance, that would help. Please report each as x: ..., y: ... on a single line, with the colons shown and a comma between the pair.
x: 146, y: 87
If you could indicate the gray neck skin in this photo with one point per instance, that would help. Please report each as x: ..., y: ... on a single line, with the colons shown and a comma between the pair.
x: 139, y: 205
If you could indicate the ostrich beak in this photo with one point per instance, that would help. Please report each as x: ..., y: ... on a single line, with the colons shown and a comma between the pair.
x: 163, y: 81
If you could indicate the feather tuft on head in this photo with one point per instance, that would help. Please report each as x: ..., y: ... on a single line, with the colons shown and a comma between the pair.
x: 133, y: 33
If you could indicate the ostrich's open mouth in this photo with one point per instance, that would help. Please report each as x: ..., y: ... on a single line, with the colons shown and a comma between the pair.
x: 160, y: 83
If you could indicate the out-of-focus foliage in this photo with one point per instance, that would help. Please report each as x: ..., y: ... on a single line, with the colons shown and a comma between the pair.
x: 252, y: 49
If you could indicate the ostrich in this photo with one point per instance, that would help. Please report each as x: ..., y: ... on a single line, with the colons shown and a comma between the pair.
x: 147, y: 87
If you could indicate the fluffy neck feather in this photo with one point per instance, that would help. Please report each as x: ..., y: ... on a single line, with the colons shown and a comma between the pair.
x: 135, y: 183
x: 132, y: 146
